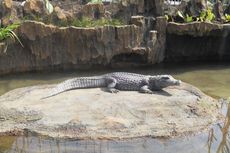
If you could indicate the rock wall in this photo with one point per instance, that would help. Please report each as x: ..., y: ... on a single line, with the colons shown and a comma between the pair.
x: 197, y: 42
x: 48, y: 47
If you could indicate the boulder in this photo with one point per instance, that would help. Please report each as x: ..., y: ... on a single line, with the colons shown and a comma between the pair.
x: 93, y: 10
x: 35, y: 7
x: 95, y: 114
x: 5, y: 11
x: 60, y: 13
x: 7, y: 5
x: 10, y: 12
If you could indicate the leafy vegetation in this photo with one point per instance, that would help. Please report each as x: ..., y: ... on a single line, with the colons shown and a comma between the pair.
x: 87, y: 22
x: 83, y: 22
x: 205, y: 16
x: 8, y: 32
x: 188, y: 18
x: 95, y: 1
x: 227, y: 18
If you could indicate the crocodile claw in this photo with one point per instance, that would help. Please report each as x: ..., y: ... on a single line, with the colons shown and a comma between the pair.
x: 148, y: 92
x: 113, y: 90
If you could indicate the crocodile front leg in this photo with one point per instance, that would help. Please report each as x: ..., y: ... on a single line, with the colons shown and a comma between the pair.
x: 145, y: 89
x: 111, y: 84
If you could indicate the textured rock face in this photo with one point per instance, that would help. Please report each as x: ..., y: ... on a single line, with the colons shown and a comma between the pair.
x: 93, y: 113
x: 197, y: 42
x: 7, y: 5
x: 218, y: 10
x: 10, y: 11
x: 195, y: 7
x: 47, y: 47
x: 154, y: 8
x: 93, y: 10
x: 196, y: 29
x: 36, y: 7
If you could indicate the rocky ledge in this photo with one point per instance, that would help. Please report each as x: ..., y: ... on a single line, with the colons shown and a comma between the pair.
x: 95, y: 114
x: 197, y: 41
x: 48, y: 47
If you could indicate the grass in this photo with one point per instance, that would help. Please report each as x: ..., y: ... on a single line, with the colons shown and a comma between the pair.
x: 8, y: 32
x: 88, y: 23
x: 84, y: 22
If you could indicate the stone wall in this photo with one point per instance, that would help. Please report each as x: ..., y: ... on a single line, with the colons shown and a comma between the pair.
x: 197, y: 42
x: 48, y: 47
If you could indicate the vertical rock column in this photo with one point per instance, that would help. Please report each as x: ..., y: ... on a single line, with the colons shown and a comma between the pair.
x: 154, y: 36
x: 159, y: 49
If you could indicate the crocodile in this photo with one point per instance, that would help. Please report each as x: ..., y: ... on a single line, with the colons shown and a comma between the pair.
x: 117, y: 81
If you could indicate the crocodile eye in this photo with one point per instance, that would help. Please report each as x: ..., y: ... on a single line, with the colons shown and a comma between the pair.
x: 165, y: 78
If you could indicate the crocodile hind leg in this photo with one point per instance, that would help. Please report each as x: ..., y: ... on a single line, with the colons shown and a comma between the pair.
x: 111, y: 84
x: 145, y: 89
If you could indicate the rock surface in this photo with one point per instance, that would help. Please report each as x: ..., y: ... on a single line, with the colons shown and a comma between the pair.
x: 93, y: 10
x: 36, y: 7
x: 197, y: 41
x: 195, y: 7
x: 195, y: 29
x: 94, y: 114
x: 51, y: 47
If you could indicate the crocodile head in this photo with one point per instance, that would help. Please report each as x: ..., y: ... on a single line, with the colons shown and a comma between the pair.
x: 161, y: 81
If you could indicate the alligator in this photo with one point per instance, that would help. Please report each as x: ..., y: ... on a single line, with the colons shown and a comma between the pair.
x: 117, y: 81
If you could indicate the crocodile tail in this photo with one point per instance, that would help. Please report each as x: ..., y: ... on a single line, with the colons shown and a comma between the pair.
x: 77, y: 83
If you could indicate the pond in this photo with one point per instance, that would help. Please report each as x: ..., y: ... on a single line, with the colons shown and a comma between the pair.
x: 213, y: 79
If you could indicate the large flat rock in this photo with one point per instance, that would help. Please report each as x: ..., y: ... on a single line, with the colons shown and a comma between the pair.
x: 93, y: 113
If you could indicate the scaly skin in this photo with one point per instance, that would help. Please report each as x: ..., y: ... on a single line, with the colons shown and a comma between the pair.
x: 118, y: 81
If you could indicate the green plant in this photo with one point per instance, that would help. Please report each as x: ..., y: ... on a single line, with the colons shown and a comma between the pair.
x: 87, y: 22
x: 96, y: 1
x: 202, y: 16
x: 33, y: 17
x: 188, y: 18
x: 227, y: 17
x: 8, y: 32
x: 209, y: 15
x: 206, y: 15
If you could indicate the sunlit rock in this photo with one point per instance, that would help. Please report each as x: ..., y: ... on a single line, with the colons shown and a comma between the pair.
x: 94, y: 113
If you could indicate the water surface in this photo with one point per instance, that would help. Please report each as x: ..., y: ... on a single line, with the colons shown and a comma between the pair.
x: 213, y: 79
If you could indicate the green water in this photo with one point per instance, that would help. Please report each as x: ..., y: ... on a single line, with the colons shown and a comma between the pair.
x: 212, y: 79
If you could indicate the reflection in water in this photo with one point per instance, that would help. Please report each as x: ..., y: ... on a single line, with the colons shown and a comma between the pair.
x: 213, y: 80
x: 224, y: 144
